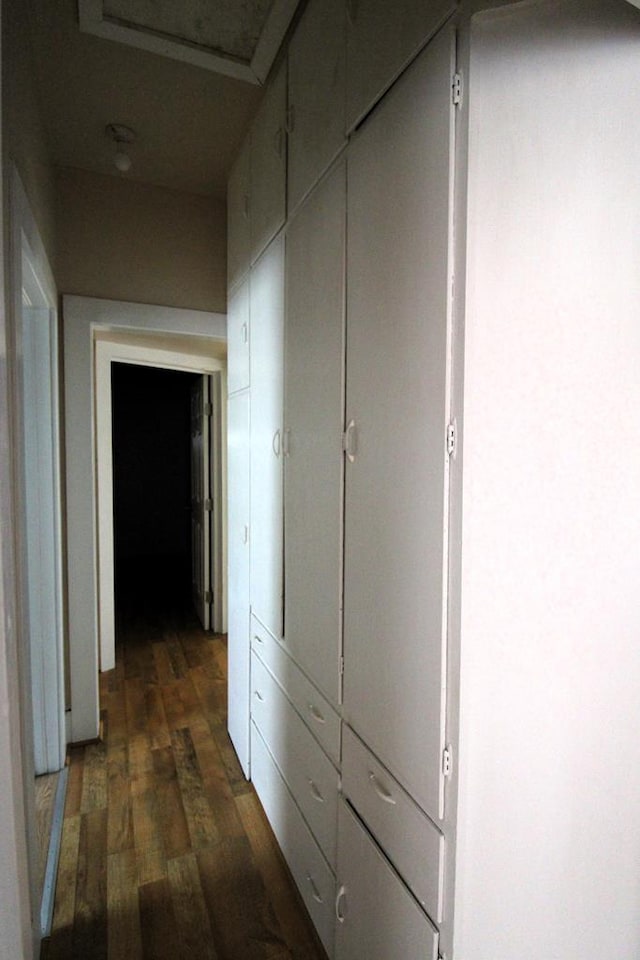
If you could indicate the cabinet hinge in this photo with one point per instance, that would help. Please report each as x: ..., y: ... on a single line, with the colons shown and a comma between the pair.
x: 452, y: 439
x: 446, y: 762
x: 342, y: 666
x: 456, y: 89
x: 208, y: 505
x: 208, y: 409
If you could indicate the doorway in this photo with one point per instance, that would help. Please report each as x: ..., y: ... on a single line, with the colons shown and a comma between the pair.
x: 152, y: 487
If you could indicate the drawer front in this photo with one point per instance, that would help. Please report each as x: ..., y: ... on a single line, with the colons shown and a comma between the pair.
x: 377, y: 918
x: 314, y: 709
x: 312, y: 874
x: 409, y: 839
x: 307, y: 770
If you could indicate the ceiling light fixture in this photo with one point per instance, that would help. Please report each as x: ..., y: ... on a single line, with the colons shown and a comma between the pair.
x: 122, y: 137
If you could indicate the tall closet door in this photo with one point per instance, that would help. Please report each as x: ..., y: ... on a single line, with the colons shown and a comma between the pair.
x: 399, y: 178
x: 314, y: 364
x: 267, y: 349
x: 238, y: 539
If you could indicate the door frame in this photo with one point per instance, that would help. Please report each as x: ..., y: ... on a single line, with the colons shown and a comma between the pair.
x: 27, y: 262
x: 84, y: 318
x: 123, y: 351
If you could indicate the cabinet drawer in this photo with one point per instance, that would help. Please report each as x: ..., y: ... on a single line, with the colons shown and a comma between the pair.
x: 410, y: 840
x: 312, y: 874
x: 314, y: 709
x: 377, y: 916
x: 307, y: 770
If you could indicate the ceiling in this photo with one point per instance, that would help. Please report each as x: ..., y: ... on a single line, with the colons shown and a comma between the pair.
x: 189, y: 121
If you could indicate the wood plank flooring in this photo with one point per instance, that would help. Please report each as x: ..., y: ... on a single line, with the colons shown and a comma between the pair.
x: 46, y: 786
x: 166, y: 853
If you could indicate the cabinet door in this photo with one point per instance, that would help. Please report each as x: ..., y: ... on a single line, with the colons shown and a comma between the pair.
x: 377, y: 916
x: 238, y: 230
x: 382, y: 38
x: 239, y: 611
x: 267, y: 348
x: 399, y: 173
x: 269, y: 166
x: 238, y: 339
x: 314, y: 421
x: 316, y: 94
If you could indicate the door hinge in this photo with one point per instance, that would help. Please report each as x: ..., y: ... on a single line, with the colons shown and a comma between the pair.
x: 208, y: 409
x: 456, y: 89
x: 208, y: 506
x: 452, y: 439
x: 208, y: 596
x: 446, y: 762
x: 342, y: 666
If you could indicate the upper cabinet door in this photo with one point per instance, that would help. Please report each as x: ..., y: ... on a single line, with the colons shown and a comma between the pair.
x: 398, y: 306
x: 314, y: 391
x: 238, y: 234
x: 238, y: 370
x: 269, y: 165
x: 382, y: 38
x: 267, y: 348
x: 315, y: 116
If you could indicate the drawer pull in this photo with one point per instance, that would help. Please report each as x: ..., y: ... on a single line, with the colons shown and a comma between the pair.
x: 315, y: 793
x: 382, y: 792
x: 315, y: 893
x: 258, y: 696
x: 257, y: 638
x: 315, y: 713
x: 340, y: 896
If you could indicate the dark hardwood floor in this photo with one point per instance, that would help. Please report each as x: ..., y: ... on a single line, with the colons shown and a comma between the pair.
x: 166, y: 853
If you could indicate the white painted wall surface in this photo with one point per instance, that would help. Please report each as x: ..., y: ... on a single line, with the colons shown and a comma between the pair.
x: 549, y: 814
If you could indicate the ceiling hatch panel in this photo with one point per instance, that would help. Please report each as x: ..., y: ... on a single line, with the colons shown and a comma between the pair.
x: 239, y: 38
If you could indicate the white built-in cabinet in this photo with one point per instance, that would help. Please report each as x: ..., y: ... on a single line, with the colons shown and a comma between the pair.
x: 238, y: 320
x: 315, y: 111
x: 382, y: 38
x: 267, y: 375
x: 441, y: 624
x: 314, y: 419
x: 268, y: 166
x: 238, y: 221
x: 398, y: 331
x: 238, y: 525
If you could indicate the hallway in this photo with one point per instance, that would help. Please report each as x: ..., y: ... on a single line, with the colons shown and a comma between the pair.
x: 166, y: 852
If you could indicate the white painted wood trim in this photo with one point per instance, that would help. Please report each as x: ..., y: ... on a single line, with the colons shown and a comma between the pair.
x: 82, y: 315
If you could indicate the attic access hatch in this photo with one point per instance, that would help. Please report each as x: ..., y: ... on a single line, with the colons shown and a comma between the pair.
x: 238, y: 38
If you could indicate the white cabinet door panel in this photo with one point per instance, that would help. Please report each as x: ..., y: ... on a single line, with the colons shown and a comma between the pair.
x: 238, y: 339
x: 382, y: 38
x: 238, y: 213
x: 397, y: 394
x: 238, y: 546
x: 314, y: 420
x: 269, y: 166
x: 316, y: 95
x: 267, y: 335
x: 377, y: 916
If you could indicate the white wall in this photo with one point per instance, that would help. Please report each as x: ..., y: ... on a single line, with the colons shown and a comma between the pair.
x: 549, y: 813
x: 122, y: 240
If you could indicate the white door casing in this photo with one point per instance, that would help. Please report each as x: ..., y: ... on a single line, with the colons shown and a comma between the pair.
x: 108, y: 352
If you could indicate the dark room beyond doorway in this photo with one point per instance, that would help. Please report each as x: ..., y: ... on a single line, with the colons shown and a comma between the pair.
x: 152, y: 489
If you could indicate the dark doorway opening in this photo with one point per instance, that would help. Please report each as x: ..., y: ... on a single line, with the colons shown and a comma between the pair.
x: 151, y: 490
